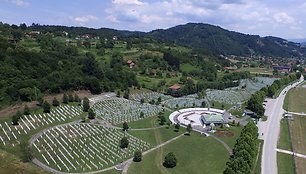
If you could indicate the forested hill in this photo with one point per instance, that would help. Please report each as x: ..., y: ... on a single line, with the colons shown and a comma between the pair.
x: 220, y: 41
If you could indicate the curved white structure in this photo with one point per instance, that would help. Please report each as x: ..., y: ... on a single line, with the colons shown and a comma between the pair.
x: 192, y: 115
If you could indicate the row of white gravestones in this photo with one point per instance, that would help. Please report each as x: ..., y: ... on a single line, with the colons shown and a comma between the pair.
x: 118, y: 110
x: 149, y: 96
x: 84, y: 147
x: 9, y: 134
x: 183, y: 102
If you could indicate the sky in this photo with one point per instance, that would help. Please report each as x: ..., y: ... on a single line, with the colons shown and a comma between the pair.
x: 281, y: 18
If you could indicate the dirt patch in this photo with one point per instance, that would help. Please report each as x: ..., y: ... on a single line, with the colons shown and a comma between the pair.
x: 224, y: 134
x: 33, y: 105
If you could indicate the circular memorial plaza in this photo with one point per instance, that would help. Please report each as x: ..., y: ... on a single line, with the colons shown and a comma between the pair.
x: 198, y: 117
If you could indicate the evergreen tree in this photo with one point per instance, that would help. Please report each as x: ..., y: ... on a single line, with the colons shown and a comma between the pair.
x: 26, y: 110
x: 142, y: 100
x: 65, y: 99
x: 91, y: 114
x: 76, y: 98
x: 189, y: 128
x: 162, y: 120
x: 124, y: 142
x: 46, y: 107
x: 40, y: 101
x: 141, y: 115
x: 177, y: 127
x: 55, y: 102
x: 126, y: 94
x: 170, y: 160
x: 203, y: 104
x: 125, y: 126
x: 118, y: 94
x: 86, y: 104
x: 70, y: 97
x: 137, y: 156
x: 15, y: 118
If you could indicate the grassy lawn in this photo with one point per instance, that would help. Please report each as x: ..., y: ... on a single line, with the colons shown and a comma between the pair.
x: 194, y: 153
x: 218, y: 105
x: 234, y: 132
x: 257, y: 168
x: 298, y: 132
x: 284, y: 141
x: 186, y: 67
x: 147, y: 122
x: 295, y: 100
x: 157, y: 136
x: 10, y: 164
x: 257, y: 70
x: 285, y: 163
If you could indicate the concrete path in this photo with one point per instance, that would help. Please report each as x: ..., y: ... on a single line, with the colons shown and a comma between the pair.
x: 291, y: 153
x: 269, y: 130
x: 297, y: 113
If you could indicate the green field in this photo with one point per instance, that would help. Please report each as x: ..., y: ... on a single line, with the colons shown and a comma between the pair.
x: 11, y: 164
x: 194, y: 153
x: 284, y: 141
x: 298, y: 132
x: 235, y: 133
x: 157, y: 136
x: 257, y: 70
x: 149, y: 122
x: 295, y: 100
x: 285, y: 163
x: 186, y: 67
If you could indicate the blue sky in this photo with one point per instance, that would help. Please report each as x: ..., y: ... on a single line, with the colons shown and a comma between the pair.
x: 282, y: 18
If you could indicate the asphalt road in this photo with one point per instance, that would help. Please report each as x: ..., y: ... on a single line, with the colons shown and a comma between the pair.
x: 269, y: 131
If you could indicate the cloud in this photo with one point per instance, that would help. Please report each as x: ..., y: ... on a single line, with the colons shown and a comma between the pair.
x: 20, y: 3
x: 284, y: 18
x: 85, y: 19
x: 130, y: 2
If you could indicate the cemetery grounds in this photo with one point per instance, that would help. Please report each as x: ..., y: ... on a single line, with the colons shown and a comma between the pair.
x: 64, y: 144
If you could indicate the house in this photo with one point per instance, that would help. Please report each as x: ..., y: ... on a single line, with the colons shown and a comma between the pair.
x: 282, y: 68
x: 33, y: 34
x: 115, y: 38
x: 175, y: 87
x: 152, y: 72
x: 130, y: 63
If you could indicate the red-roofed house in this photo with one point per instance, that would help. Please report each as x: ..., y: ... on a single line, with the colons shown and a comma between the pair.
x: 130, y: 63
x: 175, y: 87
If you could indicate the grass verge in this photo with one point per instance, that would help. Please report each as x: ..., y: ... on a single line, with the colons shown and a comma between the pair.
x: 285, y: 163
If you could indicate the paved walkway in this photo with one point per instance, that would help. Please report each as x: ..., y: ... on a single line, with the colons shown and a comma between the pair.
x: 297, y: 113
x: 291, y: 153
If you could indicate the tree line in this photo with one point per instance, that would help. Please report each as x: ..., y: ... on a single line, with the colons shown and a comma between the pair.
x: 245, y: 151
x: 256, y: 99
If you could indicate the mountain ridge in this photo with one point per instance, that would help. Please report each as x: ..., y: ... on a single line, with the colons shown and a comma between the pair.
x: 221, y: 41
